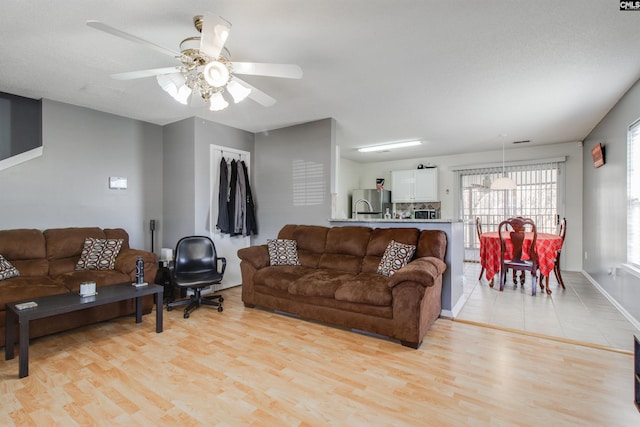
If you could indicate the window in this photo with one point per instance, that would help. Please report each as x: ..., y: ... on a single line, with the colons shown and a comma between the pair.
x: 633, y: 195
x: 535, y: 197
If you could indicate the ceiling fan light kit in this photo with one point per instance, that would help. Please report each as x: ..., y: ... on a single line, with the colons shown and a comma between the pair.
x: 391, y: 146
x: 206, y: 68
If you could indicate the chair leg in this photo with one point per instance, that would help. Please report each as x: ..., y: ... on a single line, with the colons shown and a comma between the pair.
x: 481, y: 273
x: 556, y: 271
x: 534, y: 282
x: 503, y: 276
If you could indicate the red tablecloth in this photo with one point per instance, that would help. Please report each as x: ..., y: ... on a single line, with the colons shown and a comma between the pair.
x: 547, y: 246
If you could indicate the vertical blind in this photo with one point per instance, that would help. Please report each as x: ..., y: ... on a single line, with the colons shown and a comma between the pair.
x: 633, y: 195
x: 535, y: 197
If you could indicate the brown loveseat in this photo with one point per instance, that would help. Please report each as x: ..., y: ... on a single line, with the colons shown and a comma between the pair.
x: 337, y: 280
x: 46, y: 262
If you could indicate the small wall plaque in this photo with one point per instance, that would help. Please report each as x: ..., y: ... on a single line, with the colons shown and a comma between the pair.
x: 117, y: 183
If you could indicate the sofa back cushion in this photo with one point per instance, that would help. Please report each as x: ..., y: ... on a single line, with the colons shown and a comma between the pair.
x: 432, y: 243
x: 64, y: 246
x: 25, y: 250
x: 380, y: 238
x: 118, y: 233
x: 345, y: 248
x: 310, y: 240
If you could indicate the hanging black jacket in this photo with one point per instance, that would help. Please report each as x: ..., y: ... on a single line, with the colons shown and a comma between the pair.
x: 231, y: 206
x: 223, y: 198
x: 250, y: 216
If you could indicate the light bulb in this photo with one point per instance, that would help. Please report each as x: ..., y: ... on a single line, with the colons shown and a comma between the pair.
x: 218, y: 102
x: 237, y: 91
x: 216, y: 74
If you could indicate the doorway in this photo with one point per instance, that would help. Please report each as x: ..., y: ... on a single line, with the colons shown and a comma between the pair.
x: 226, y: 245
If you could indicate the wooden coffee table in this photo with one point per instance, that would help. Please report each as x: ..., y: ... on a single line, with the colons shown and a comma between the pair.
x: 65, y: 303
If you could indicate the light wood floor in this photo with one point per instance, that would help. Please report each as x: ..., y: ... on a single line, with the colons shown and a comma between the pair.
x: 250, y: 367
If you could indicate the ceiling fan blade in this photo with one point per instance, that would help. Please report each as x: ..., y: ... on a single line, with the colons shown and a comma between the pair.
x: 215, y: 31
x: 257, y: 95
x: 119, y: 33
x: 131, y: 75
x: 287, y: 71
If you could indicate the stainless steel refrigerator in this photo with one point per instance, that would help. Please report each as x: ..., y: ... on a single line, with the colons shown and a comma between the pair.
x: 370, y: 204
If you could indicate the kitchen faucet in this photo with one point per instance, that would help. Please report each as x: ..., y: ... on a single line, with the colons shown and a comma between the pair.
x: 355, y: 207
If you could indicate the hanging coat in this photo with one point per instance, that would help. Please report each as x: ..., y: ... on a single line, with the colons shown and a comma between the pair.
x: 223, y: 198
x: 241, y: 203
x: 231, y: 206
x: 250, y: 215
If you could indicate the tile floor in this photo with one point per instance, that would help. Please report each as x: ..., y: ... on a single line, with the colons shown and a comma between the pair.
x: 579, y: 312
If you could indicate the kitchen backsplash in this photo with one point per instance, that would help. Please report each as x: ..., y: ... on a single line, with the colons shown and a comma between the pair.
x: 405, y: 210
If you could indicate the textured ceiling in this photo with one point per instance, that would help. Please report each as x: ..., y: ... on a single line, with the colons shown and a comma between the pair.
x: 455, y: 74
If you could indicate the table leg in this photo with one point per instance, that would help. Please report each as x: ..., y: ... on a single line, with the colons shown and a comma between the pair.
x: 23, y: 362
x: 138, y: 309
x: 8, y: 335
x: 159, y: 307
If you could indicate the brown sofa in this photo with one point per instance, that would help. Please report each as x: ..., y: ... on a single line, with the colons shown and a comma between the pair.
x: 46, y: 262
x: 336, y: 281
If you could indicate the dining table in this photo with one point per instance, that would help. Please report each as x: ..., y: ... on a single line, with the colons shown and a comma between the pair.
x: 547, y: 247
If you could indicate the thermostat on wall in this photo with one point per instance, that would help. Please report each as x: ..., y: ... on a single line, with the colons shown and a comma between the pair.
x: 117, y: 182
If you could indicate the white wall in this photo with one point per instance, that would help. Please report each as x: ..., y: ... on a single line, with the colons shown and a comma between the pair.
x: 449, y: 193
x: 68, y: 185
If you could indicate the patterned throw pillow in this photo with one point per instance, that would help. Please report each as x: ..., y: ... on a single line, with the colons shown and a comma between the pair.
x: 396, y: 256
x: 283, y: 252
x: 7, y: 271
x: 99, y: 254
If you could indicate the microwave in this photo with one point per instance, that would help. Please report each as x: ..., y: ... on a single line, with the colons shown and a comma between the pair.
x: 424, y: 214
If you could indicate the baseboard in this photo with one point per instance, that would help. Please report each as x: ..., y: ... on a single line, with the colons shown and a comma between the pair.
x: 612, y: 300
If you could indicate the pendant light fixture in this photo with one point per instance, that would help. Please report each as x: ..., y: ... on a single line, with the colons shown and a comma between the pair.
x: 504, y: 182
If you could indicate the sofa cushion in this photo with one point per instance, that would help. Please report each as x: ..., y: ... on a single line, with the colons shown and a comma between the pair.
x: 7, y: 270
x: 279, y: 276
x: 64, y: 246
x: 283, y: 252
x: 365, y: 288
x: 320, y: 283
x: 99, y: 254
x: 396, y: 256
x: 311, y: 241
x: 380, y: 238
x: 24, y: 243
x: 27, y: 288
x: 71, y: 281
x: 432, y: 243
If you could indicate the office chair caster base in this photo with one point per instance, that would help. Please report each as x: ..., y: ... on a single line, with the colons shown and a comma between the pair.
x: 186, y: 315
x: 169, y: 308
x: 220, y: 308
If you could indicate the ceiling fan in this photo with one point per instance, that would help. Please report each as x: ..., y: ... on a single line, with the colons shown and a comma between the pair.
x: 205, y: 67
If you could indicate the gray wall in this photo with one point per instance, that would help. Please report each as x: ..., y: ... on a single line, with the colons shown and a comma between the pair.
x: 277, y: 152
x: 68, y: 185
x: 605, y: 203
x: 187, y: 176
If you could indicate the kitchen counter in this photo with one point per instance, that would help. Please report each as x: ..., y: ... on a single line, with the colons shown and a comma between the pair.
x: 403, y: 221
x: 452, y: 279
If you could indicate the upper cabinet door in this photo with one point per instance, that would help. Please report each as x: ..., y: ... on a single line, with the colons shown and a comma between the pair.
x: 402, y: 186
x: 426, y: 188
x: 418, y: 185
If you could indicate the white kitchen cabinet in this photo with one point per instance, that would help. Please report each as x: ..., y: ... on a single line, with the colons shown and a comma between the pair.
x: 417, y: 185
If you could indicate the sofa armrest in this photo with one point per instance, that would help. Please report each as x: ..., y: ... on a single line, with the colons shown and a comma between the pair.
x: 257, y: 256
x: 423, y: 270
x: 126, y: 263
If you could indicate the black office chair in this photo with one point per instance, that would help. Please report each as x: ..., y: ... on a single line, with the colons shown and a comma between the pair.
x: 196, y: 267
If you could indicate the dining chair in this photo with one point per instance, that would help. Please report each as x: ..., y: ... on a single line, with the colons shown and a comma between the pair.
x: 479, y: 232
x: 562, y: 232
x: 514, y: 230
